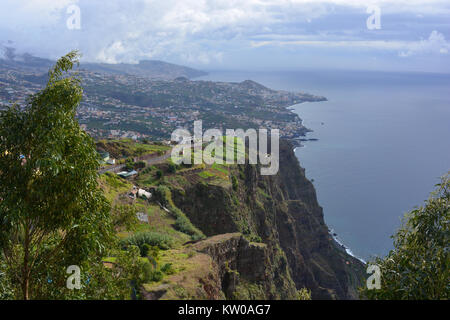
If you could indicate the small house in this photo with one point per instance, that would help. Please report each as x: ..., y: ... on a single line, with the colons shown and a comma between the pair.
x: 144, y: 194
x: 125, y: 174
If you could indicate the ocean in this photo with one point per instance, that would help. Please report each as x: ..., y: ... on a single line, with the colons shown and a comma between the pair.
x: 383, y: 142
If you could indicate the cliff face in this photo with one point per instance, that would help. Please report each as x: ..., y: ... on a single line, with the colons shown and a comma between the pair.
x: 291, y: 246
x: 247, y: 270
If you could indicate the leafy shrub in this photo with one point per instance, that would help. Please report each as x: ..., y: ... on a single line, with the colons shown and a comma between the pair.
x: 149, y: 238
x: 157, y: 275
x: 303, y: 294
x: 172, y: 168
x: 150, y: 274
x: 6, y: 290
x: 114, y: 180
x: 140, y: 165
x: 129, y: 165
x: 125, y: 215
x: 254, y: 238
x: 183, y: 224
x: 167, y: 269
x: 235, y: 183
x: 146, y: 170
x: 152, y: 253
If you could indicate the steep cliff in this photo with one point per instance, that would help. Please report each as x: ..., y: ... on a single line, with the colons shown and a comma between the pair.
x: 230, y: 232
x: 291, y: 247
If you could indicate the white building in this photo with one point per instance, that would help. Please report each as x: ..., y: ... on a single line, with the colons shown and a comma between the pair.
x: 144, y: 194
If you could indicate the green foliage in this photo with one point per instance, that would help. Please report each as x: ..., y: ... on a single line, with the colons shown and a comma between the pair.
x: 131, y: 271
x: 419, y: 265
x: 151, y: 252
x: 125, y: 148
x: 182, y: 223
x: 167, y: 269
x: 6, y: 288
x: 125, y: 215
x: 152, y: 275
x: 52, y: 213
x: 152, y: 271
x: 234, y: 182
x: 140, y: 165
x: 129, y: 164
x: 114, y: 180
x: 206, y: 174
x: 254, y: 238
x: 117, y: 281
x: 172, y: 168
x: 145, y: 249
x: 303, y: 294
x: 249, y: 291
x: 149, y: 238
x: 159, y: 174
x: 146, y: 170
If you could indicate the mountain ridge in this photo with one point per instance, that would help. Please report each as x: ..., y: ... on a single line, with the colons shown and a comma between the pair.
x: 153, y: 69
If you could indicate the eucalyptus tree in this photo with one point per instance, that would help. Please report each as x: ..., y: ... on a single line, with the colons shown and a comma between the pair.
x: 419, y: 265
x: 52, y: 212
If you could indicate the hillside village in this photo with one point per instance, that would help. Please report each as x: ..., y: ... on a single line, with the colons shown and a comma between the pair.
x: 119, y: 106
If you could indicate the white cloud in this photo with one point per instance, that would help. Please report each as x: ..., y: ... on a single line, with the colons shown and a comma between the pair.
x: 109, y: 54
x: 435, y: 43
x: 198, y: 31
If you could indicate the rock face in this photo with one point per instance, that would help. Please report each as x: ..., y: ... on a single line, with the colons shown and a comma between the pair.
x: 241, y: 263
x: 281, y: 213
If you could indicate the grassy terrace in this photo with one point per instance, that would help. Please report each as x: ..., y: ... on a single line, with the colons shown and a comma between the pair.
x: 177, y: 262
x: 121, y: 149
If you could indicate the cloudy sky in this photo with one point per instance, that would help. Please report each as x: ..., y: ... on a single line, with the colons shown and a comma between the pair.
x: 413, y: 35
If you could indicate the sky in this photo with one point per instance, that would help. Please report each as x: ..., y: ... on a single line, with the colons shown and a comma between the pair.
x: 396, y: 35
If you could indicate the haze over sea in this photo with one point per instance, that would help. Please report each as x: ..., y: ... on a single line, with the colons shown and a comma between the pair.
x: 384, y: 141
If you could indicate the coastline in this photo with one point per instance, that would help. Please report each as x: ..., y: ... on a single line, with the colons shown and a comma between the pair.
x: 297, y: 143
x: 299, y: 136
x: 343, y: 246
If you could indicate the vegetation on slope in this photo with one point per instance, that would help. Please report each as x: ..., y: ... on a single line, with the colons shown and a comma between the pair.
x: 419, y: 265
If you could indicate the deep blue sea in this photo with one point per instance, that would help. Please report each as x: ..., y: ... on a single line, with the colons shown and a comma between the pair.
x: 383, y: 142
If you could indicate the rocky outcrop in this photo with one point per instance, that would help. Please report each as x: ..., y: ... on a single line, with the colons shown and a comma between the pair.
x: 240, y: 262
